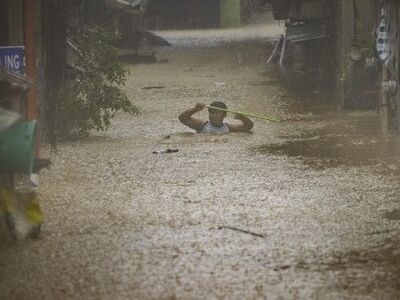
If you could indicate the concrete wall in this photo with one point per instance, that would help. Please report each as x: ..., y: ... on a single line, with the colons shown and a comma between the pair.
x: 230, y: 13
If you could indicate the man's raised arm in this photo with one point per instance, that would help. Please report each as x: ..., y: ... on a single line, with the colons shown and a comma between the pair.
x: 245, y: 125
x: 187, y: 117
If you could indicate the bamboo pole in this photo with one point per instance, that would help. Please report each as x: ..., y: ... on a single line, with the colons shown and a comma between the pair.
x: 246, y: 114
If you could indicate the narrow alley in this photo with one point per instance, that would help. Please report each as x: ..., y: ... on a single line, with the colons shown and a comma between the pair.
x: 303, y: 209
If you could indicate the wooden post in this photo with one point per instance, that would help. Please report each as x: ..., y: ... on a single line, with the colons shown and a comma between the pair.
x: 30, y: 13
x: 30, y: 32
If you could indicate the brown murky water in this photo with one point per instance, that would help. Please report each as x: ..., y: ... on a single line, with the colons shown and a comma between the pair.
x: 344, y: 141
x: 303, y: 209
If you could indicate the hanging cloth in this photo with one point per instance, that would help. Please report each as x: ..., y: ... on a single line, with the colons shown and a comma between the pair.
x: 382, y: 40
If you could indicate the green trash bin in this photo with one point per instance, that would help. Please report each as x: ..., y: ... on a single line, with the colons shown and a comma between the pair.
x: 17, y: 148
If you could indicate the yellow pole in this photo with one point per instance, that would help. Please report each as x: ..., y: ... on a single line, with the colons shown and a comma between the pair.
x: 246, y: 114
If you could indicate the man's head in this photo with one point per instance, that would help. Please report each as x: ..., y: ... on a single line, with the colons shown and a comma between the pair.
x: 215, y: 116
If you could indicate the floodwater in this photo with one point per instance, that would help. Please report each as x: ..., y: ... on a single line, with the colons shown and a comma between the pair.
x: 303, y: 209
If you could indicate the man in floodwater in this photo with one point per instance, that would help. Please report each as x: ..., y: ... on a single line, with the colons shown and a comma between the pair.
x: 215, y: 123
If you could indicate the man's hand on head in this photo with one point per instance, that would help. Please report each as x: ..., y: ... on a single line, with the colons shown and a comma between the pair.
x: 188, y: 119
x: 199, y: 106
x: 246, y: 123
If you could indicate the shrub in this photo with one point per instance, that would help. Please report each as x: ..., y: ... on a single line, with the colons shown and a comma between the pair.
x: 92, y: 93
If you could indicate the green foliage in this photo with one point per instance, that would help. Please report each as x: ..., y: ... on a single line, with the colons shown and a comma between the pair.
x: 93, y: 93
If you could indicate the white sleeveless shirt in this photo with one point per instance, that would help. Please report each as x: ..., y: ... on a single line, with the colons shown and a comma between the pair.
x: 209, y: 128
